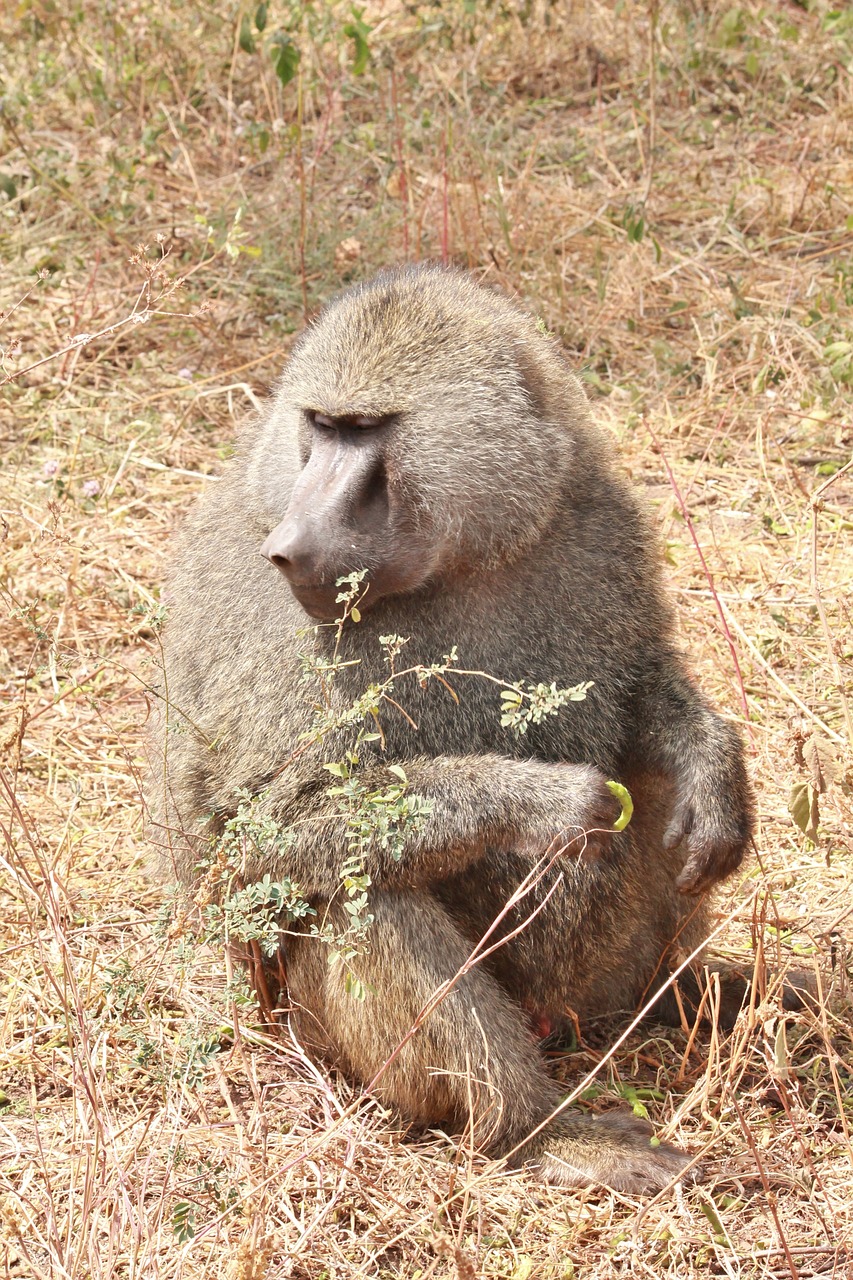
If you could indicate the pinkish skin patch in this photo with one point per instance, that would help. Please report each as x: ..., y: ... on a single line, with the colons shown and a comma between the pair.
x: 542, y: 1026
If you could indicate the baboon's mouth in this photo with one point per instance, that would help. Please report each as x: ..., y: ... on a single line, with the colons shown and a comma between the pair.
x: 319, y: 602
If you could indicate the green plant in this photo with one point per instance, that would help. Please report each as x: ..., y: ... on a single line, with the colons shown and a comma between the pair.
x: 260, y: 912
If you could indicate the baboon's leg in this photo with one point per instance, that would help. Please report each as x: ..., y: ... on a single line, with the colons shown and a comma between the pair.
x: 473, y: 1055
x: 575, y: 956
x: 473, y: 1058
x: 609, y: 933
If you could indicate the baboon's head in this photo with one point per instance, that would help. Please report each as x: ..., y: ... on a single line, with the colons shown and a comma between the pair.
x: 419, y: 432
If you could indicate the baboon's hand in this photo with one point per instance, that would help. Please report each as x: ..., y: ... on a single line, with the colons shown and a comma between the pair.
x: 716, y: 838
x: 573, y: 812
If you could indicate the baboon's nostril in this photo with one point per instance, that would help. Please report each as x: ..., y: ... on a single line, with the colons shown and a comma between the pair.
x: 280, y: 562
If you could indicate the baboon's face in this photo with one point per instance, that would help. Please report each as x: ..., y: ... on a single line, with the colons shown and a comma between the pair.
x: 408, y: 438
x: 344, y: 514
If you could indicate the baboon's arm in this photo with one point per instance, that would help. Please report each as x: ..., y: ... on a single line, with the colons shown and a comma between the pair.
x: 475, y: 803
x: 703, y: 754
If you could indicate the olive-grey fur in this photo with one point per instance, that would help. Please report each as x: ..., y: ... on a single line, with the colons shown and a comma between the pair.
x: 541, y: 566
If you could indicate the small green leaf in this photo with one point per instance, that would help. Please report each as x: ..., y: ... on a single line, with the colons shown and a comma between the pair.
x: 511, y: 698
x: 398, y: 772
x: 623, y: 795
x: 714, y: 1218
x: 632, y: 1095
x: 355, y: 613
x: 578, y: 694
x: 183, y: 1221
x: 261, y: 16
x: 285, y: 56
x: 358, y: 31
x: 775, y: 526
x: 246, y: 40
x: 354, y: 987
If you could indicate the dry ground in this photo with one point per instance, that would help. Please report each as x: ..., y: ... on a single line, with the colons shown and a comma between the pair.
x: 670, y: 186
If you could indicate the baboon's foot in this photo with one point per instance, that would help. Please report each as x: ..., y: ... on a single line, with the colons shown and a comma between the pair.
x: 799, y: 991
x: 614, y: 1151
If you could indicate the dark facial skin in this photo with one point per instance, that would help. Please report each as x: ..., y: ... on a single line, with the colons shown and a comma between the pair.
x: 344, y: 515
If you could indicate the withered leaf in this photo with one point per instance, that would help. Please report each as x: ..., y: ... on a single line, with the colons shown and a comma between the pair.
x: 819, y: 759
x: 804, y: 809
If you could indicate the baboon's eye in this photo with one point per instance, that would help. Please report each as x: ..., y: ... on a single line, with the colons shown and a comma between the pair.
x: 321, y: 420
x: 347, y: 421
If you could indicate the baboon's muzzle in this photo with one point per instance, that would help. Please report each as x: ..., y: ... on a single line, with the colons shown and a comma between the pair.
x: 341, y: 519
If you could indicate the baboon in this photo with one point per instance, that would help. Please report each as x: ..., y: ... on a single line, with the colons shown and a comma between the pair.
x: 427, y: 430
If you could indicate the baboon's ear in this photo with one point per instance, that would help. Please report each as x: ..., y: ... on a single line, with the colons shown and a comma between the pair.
x: 534, y: 380
x: 549, y: 380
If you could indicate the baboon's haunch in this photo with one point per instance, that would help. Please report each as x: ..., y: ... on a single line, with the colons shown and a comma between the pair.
x: 427, y: 431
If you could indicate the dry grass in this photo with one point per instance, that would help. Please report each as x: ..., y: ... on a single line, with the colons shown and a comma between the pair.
x: 671, y: 186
